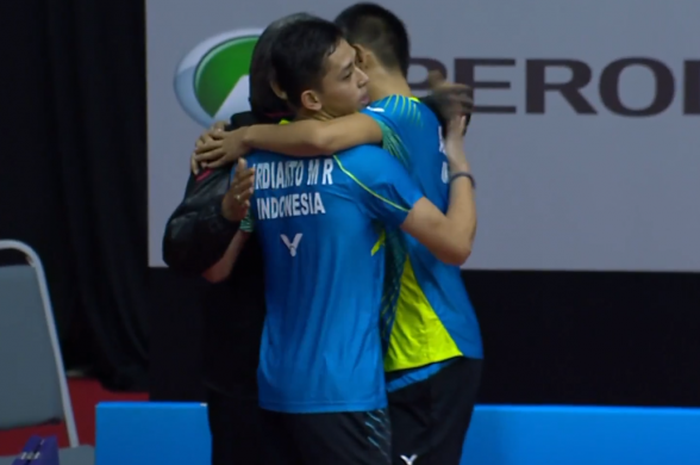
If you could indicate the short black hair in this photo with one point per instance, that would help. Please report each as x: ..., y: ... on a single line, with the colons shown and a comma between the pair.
x: 263, y: 101
x: 380, y: 30
x: 299, y: 55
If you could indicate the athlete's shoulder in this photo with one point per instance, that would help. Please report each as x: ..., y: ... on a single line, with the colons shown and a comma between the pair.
x: 398, y: 111
x: 428, y: 113
x: 360, y: 150
x: 361, y: 154
x: 262, y: 156
x: 365, y: 160
x: 393, y: 104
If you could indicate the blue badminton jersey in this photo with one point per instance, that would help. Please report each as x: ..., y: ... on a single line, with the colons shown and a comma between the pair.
x: 428, y: 317
x: 319, y: 221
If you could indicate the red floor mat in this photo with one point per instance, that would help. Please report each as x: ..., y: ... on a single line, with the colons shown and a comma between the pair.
x: 85, y: 395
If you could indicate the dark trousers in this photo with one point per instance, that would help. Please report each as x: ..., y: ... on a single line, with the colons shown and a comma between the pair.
x: 234, y: 422
x: 430, y: 418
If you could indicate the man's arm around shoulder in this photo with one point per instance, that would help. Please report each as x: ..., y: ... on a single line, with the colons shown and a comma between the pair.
x: 313, y: 137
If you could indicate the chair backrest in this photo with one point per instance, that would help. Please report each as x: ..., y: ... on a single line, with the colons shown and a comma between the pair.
x: 33, y: 388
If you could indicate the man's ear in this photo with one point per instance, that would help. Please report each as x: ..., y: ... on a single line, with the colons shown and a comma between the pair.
x: 278, y: 90
x: 311, y: 101
x: 364, y: 58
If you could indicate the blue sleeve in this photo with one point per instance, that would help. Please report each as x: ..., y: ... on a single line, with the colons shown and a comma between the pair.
x: 396, y: 111
x: 397, y: 116
x: 384, y: 188
x: 386, y: 121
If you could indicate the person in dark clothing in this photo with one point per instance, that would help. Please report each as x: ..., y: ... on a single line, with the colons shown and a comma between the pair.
x: 196, y: 237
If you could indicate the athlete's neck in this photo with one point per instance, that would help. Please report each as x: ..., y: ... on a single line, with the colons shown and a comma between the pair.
x: 318, y: 115
x: 383, y: 83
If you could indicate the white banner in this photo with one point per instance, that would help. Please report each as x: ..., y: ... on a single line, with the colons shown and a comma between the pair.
x: 586, y: 147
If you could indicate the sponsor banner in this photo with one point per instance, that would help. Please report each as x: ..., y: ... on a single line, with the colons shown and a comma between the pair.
x: 584, y: 141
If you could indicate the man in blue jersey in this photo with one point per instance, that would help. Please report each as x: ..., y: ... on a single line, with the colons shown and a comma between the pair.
x: 434, y: 351
x: 321, y: 372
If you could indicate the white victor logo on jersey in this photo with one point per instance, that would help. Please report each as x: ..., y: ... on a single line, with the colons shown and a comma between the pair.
x: 409, y: 460
x: 292, y: 246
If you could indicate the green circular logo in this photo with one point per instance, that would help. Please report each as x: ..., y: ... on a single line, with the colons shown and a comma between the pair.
x: 211, y: 81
